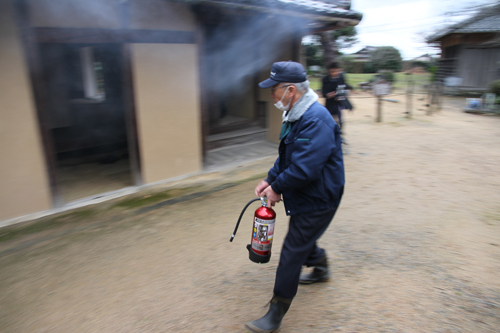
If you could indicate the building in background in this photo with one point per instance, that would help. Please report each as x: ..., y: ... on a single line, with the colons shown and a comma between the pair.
x: 470, y: 51
x: 426, y: 58
x: 99, y: 95
x: 364, y: 54
x: 358, y: 62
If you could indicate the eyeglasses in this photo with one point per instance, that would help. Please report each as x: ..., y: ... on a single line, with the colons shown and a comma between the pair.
x: 273, y: 89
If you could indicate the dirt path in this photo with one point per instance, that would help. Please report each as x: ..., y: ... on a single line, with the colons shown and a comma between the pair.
x: 415, y: 246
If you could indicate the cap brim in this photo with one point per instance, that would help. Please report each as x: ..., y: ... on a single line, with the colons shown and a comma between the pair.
x: 268, y: 83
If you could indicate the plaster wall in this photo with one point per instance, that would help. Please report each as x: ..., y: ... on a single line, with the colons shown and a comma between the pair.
x: 168, y: 111
x: 23, y: 175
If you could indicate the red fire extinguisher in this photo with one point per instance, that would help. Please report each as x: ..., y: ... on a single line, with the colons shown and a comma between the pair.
x: 259, y: 249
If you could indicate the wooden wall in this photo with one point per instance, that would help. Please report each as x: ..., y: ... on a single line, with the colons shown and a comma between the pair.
x: 478, y: 67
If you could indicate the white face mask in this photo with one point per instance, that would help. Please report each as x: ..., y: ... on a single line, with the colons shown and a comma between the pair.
x: 279, y: 105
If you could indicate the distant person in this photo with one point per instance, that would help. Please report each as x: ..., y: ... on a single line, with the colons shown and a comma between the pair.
x: 309, y: 174
x: 333, y: 85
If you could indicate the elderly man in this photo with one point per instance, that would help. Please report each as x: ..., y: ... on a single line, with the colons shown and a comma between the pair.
x: 309, y: 174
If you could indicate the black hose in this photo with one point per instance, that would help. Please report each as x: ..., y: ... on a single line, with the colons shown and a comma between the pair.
x: 241, y: 215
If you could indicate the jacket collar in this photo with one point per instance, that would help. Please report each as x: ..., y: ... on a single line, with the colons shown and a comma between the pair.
x: 301, y: 106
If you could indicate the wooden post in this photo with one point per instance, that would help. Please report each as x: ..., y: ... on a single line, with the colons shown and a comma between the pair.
x: 379, y: 109
x: 409, y: 95
x: 439, y: 95
x: 380, y: 88
x: 430, y: 99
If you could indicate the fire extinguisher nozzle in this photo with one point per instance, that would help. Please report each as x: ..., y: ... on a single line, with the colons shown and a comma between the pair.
x: 239, y: 219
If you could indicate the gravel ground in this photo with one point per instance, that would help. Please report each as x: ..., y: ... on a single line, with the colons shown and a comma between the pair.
x: 414, y: 247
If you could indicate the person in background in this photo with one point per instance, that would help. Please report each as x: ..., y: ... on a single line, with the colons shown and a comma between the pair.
x: 309, y: 174
x: 332, y: 86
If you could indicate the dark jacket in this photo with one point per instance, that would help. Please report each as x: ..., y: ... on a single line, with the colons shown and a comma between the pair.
x: 309, y: 171
x: 329, y: 85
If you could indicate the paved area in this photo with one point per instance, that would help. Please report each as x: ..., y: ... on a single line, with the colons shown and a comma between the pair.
x: 231, y: 156
x: 414, y: 246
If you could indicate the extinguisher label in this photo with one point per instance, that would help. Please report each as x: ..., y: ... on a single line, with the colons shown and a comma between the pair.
x: 264, y: 221
x: 263, y: 232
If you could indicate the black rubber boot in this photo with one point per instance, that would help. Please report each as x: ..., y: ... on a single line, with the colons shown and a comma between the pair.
x: 271, y: 322
x: 320, y: 273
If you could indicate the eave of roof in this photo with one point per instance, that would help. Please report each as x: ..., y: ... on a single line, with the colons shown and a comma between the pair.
x: 310, y: 9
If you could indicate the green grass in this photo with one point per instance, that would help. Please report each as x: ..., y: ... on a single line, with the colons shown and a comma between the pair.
x: 315, y: 83
x: 144, y: 200
x: 137, y: 201
x: 492, y: 218
x: 354, y: 80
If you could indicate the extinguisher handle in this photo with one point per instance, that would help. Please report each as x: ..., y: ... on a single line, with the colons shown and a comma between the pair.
x: 241, y: 215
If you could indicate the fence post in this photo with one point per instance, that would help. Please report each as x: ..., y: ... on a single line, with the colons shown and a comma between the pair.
x: 409, y: 95
x: 380, y: 87
x: 430, y: 98
x: 439, y: 95
x: 379, y: 109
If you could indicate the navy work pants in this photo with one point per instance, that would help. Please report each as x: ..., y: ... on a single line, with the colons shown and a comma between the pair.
x: 300, y: 249
x: 336, y: 112
x: 338, y: 118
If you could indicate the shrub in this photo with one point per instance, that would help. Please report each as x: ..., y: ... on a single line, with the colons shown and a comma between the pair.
x: 495, y: 87
x: 368, y: 67
x: 434, y: 72
x: 386, y: 75
x: 389, y: 77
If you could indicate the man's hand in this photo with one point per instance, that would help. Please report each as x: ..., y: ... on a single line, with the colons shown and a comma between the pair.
x: 331, y: 94
x: 261, y: 187
x: 272, y: 197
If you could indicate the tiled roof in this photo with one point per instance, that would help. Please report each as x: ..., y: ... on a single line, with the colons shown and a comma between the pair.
x: 486, y: 24
x: 488, y: 20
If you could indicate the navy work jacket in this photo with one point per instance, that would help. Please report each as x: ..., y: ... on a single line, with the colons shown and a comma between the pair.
x: 309, y: 171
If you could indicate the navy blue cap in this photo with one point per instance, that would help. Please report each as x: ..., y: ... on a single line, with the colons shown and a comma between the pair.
x: 285, y: 71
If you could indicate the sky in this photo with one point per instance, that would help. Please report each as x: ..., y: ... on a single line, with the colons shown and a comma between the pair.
x: 404, y: 23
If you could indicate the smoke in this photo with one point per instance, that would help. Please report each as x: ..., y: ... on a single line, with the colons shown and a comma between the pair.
x: 239, y: 48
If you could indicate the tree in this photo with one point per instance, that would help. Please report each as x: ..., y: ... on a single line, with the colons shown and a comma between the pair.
x: 314, y: 54
x: 386, y: 57
x: 334, y: 41
x: 350, y: 65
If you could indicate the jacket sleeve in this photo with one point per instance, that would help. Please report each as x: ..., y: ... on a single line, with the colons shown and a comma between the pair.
x: 273, y: 172
x: 313, y: 146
